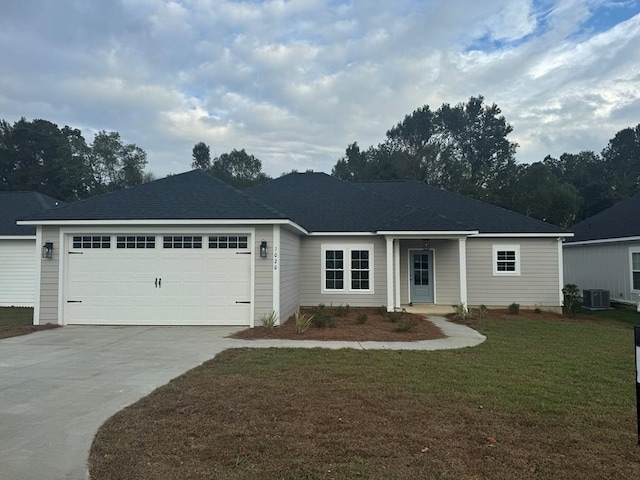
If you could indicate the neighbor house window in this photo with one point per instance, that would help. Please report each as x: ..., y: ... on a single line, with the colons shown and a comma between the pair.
x: 506, y: 259
x: 347, y: 268
x: 635, y: 268
x: 92, y: 241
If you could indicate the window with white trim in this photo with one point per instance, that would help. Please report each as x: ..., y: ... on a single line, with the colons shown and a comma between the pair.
x: 347, y: 268
x: 634, y: 259
x: 506, y: 259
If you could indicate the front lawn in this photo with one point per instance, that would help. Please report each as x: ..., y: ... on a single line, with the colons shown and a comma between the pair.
x: 18, y: 321
x: 540, y: 399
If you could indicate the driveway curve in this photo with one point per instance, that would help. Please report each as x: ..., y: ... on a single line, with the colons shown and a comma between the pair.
x: 58, y: 386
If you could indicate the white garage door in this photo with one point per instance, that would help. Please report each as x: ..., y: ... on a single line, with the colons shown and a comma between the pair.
x: 158, y: 280
x: 17, y: 273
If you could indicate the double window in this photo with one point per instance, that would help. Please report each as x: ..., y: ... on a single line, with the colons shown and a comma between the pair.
x: 634, y: 254
x: 347, y: 268
x: 506, y: 259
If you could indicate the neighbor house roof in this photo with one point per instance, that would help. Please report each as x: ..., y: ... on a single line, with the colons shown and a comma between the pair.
x: 618, y: 221
x: 16, y: 205
x: 193, y: 195
x: 321, y: 203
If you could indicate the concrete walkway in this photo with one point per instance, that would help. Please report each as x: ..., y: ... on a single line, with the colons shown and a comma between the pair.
x: 58, y: 386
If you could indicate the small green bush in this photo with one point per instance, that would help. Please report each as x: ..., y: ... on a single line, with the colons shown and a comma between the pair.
x: 460, y: 311
x: 269, y: 320
x: 322, y: 318
x: 405, y: 324
x: 572, y: 300
x: 394, y: 317
x: 303, y: 321
x: 537, y: 309
x: 483, y: 311
x: 362, y: 318
x: 514, y: 308
x: 381, y: 310
x: 341, y: 310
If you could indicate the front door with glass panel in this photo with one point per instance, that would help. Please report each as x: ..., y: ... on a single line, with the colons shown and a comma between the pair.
x: 422, y: 276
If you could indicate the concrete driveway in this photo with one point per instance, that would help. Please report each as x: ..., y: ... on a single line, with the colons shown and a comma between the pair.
x: 58, y: 386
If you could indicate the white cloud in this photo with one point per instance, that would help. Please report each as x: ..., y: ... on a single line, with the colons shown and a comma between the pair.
x: 294, y: 82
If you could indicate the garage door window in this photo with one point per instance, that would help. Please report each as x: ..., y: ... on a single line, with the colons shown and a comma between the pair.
x: 92, y: 241
x: 182, y: 242
x: 228, y: 241
x: 136, y: 241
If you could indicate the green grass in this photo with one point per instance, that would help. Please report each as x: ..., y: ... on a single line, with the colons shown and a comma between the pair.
x: 15, y: 316
x: 541, y: 398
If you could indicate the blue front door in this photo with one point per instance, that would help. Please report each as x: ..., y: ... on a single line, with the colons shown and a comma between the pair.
x: 422, y: 276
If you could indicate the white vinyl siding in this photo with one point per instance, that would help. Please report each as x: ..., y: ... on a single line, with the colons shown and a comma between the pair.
x: 289, y: 273
x: 312, y: 268
x: 17, y: 273
x: 537, y: 284
x: 602, y: 266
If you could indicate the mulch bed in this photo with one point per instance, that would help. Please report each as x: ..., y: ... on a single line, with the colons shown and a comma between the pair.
x: 377, y: 328
x: 14, y: 331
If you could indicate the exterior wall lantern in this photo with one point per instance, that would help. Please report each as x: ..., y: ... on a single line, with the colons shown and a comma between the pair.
x: 263, y: 249
x: 425, y: 244
x: 47, y: 250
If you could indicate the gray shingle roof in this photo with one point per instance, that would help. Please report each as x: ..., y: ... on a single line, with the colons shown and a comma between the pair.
x: 192, y: 195
x: 321, y: 203
x: 619, y: 221
x: 16, y: 205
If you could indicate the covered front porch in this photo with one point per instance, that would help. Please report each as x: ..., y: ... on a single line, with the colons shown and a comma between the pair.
x: 426, y: 270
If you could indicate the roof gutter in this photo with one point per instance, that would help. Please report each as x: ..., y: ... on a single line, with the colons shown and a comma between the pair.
x: 602, y: 240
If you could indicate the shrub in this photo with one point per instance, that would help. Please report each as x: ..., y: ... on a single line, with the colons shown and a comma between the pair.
x: 572, y: 301
x: 341, y: 310
x: 405, y: 324
x: 460, y: 311
x: 483, y: 311
x: 322, y: 318
x: 394, y: 317
x: 514, y: 308
x: 381, y: 310
x: 362, y: 318
x: 537, y: 309
x: 269, y: 320
x: 303, y: 321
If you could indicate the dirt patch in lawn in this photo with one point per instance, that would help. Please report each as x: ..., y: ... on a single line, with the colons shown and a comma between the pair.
x: 378, y: 327
x: 16, y: 330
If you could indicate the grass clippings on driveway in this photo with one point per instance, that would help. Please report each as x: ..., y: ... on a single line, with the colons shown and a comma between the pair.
x: 540, y: 399
x: 16, y: 321
x: 377, y: 327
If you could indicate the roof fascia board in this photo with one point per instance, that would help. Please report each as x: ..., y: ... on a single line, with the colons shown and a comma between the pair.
x: 431, y: 233
x: 341, y: 234
x: 521, y: 235
x: 602, y: 240
x: 17, y: 237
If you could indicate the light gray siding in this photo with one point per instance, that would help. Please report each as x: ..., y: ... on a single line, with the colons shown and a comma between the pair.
x: 289, y: 265
x: 17, y: 272
x: 446, y: 266
x: 311, y: 265
x: 537, y: 284
x: 49, y: 287
x: 603, y: 266
x: 264, y: 273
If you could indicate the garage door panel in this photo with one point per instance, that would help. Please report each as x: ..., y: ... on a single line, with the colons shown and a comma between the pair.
x: 195, y: 286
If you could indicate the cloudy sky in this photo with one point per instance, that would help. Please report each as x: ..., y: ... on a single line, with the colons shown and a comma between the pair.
x: 294, y: 82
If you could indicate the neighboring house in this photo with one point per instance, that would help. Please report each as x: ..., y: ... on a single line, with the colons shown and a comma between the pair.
x: 605, y: 252
x: 190, y: 249
x: 18, y: 254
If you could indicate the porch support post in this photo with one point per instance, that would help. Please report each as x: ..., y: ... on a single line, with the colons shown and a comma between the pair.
x: 396, y: 260
x: 390, y: 301
x: 462, y: 255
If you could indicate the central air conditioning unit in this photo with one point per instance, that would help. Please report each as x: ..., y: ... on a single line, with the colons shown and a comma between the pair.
x: 594, y: 298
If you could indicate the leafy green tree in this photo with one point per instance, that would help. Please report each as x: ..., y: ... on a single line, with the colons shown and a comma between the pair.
x: 239, y: 169
x: 201, y: 156
x: 621, y: 161
x: 114, y: 164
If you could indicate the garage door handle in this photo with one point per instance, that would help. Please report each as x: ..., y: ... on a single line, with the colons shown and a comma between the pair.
x: 243, y: 302
x: 159, y: 283
x: 243, y: 253
x: 156, y: 282
x: 74, y: 301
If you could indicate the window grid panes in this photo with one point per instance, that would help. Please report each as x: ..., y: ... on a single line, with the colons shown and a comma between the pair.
x: 421, y: 269
x: 228, y: 241
x: 506, y: 260
x: 179, y: 241
x: 360, y: 269
x: 635, y: 267
x: 334, y: 270
x: 135, y: 241
x: 92, y: 241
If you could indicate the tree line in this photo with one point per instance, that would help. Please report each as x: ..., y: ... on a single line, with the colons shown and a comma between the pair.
x: 39, y: 156
x: 465, y: 149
